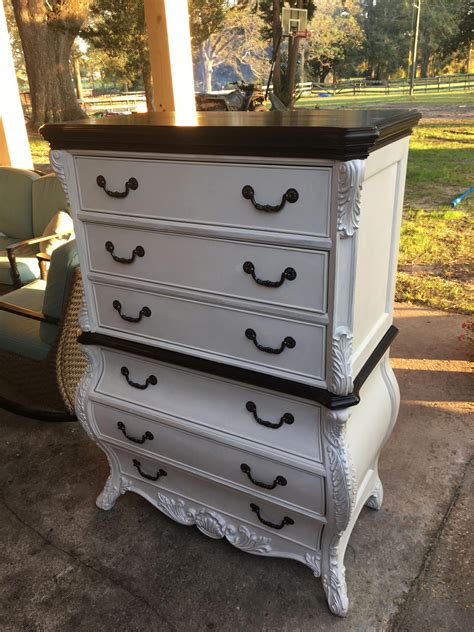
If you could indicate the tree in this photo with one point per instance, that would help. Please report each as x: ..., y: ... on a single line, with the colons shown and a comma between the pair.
x: 284, y: 76
x: 387, y: 37
x: 335, y: 33
x: 47, y: 30
x: 117, y: 27
x: 227, y: 36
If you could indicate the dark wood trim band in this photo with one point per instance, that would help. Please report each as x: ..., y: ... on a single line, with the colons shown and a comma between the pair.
x: 332, y: 134
x: 246, y: 376
x: 375, y: 358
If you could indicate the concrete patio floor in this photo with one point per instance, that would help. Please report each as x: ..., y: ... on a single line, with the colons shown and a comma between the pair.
x: 67, y: 566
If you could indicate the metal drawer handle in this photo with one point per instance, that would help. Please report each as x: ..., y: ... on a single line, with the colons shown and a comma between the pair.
x: 287, y: 342
x: 145, y: 311
x: 147, y: 436
x: 280, y: 480
x: 288, y: 274
x: 287, y: 418
x: 130, y: 185
x: 150, y: 477
x: 286, y: 520
x: 139, y: 251
x: 290, y: 196
x: 151, y: 379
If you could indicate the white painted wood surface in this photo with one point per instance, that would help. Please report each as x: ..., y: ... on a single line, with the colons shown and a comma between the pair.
x: 198, y: 230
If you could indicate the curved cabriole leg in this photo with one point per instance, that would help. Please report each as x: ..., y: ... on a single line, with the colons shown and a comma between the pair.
x: 375, y: 499
x: 333, y: 576
x: 107, y: 497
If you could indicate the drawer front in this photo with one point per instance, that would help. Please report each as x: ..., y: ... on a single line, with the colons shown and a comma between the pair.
x: 261, y: 476
x: 227, y: 335
x: 216, y: 266
x: 282, y: 423
x: 209, y: 193
x: 304, y: 530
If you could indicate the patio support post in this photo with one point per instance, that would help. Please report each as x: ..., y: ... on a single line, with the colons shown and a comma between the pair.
x: 171, y: 61
x: 14, y: 146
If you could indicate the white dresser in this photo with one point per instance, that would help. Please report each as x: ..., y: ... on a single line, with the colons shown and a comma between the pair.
x: 239, y: 278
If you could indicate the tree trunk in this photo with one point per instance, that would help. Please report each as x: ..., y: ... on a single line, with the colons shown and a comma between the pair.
x: 276, y: 28
x: 425, y: 64
x: 47, y: 32
x: 207, y: 68
x: 147, y: 80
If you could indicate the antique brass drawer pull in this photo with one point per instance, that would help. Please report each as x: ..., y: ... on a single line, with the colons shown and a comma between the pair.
x: 287, y: 418
x: 130, y: 185
x: 279, y: 480
x: 145, y: 437
x: 150, y: 477
x: 290, y: 196
x: 288, y: 274
x: 287, y: 342
x: 150, y: 380
x: 145, y: 311
x: 286, y: 520
x: 139, y: 251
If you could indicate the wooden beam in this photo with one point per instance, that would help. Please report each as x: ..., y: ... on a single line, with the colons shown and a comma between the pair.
x: 171, y: 60
x: 14, y: 145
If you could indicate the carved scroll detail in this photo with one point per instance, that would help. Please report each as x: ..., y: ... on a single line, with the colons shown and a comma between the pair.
x: 340, y: 468
x: 334, y: 582
x: 57, y: 165
x: 214, y: 525
x: 340, y: 376
x: 351, y: 175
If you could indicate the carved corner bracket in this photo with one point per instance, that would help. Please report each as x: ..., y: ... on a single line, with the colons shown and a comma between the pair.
x: 55, y: 158
x: 340, y: 374
x: 351, y: 176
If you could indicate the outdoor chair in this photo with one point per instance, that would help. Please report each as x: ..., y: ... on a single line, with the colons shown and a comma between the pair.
x: 33, y: 216
x: 40, y: 360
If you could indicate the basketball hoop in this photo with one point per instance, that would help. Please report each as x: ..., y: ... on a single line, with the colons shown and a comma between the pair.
x: 301, y: 34
x: 293, y: 22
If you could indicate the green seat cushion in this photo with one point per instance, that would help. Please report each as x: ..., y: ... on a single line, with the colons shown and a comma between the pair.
x: 6, y: 241
x: 27, y: 267
x: 21, y: 336
x: 16, y: 202
x: 31, y: 296
x: 64, y: 261
x: 48, y: 198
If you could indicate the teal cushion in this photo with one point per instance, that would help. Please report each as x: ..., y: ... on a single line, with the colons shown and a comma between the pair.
x: 6, y: 241
x: 31, y: 296
x: 21, y: 335
x: 64, y: 260
x: 27, y: 267
x: 48, y: 198
x: 15, y: 202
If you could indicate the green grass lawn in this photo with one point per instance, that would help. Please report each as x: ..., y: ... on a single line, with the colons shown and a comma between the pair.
x: 436, y: 256
x: 442, y: 98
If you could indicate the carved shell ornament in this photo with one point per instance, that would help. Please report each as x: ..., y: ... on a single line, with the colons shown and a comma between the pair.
x: 56, y: 163
x: 351, y: 175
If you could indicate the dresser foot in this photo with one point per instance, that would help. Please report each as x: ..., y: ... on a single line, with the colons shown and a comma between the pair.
x: 375, y: 499
x: 113, y: 488
x: 334, y: 581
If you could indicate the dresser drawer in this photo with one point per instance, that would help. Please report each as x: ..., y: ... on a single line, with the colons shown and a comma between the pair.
x: 231, y: 502
x: 293, y: 349
x: 208, y: 193
x: 260, y: 475
x: 216, y: 266
x: 266, y: 419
